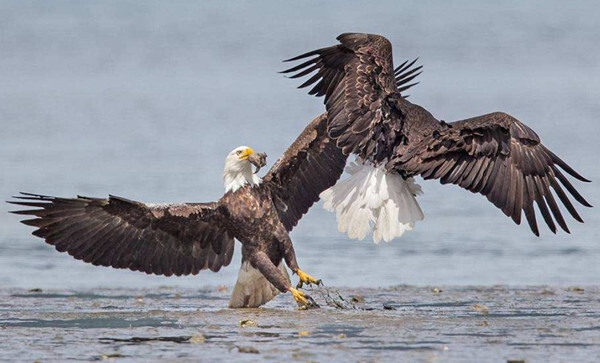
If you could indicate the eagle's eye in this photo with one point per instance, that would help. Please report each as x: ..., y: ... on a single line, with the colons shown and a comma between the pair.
x: 238, y: 152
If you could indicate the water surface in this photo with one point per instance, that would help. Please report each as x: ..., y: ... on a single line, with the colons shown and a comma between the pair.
x: 145, y: 99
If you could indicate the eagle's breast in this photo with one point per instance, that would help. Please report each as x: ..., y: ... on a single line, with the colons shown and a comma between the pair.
x: 251, y: 212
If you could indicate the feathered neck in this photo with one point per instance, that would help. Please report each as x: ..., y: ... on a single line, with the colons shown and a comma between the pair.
x: 236, y: 175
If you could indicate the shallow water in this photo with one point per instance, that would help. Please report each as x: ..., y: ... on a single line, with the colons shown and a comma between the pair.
x: 144, y: 100
x: 454, y: 324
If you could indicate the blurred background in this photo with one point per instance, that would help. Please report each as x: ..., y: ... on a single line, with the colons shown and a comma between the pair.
x: 143, y: 99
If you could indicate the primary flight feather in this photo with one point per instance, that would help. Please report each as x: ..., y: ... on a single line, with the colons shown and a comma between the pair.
x: 495, y: 155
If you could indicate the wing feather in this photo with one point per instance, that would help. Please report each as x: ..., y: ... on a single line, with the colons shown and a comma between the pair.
x: 357, y: 78
x: 158, y: 239
x: 497, y: 156
x: 310, y: 165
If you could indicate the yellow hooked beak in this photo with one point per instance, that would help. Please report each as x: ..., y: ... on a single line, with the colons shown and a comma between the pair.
x: 244, y: 155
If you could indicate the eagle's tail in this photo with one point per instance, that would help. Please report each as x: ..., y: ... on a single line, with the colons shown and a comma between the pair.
x: 252, y: 288
x: 371, y: 200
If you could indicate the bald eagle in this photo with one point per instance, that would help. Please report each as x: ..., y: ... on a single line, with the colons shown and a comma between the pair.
x: 495, y: 155
x: 183, y: 239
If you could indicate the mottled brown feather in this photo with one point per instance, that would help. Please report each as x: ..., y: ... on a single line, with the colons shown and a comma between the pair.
x: 494, y: 155
x: 499, y: 157
x: 360, y: 85
x: 158, y: 239
x: 310, y: 165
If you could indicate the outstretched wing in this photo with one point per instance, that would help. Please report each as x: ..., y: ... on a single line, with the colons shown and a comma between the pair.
x: 310, y: 165
x: 166, y: 239
x: 498, y: 156
x: 495, y: 155
x: 357, y: 77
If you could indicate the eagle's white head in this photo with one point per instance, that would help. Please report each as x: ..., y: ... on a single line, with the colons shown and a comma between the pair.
x: 238, y: 169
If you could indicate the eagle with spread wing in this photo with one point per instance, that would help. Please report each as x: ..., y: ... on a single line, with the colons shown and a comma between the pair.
x: 495, y: 155
x: 183, y: 239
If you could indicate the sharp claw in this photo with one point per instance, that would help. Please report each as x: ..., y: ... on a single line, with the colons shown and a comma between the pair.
x: 303, y: 300
x: 311, y: 303
x: 306, y: 279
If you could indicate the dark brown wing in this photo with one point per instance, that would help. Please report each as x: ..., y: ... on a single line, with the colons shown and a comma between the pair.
x: 404, y: 74
x: 500, y: 157
x: 310, y: 165
x: 167, y: 239
x: 357, y: 77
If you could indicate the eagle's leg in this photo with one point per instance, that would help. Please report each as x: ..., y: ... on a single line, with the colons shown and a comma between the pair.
x: 290, y: 260
x: 264, y: 264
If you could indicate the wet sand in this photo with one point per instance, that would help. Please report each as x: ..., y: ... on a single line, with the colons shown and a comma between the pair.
x: 426, y: 324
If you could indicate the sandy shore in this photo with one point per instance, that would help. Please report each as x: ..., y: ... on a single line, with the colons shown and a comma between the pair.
x: 445, y: 324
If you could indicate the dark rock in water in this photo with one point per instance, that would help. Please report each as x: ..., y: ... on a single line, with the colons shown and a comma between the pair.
x: 248, y: 323
x: 248, y: 350
x: 358, y: 299
x: 387, y: 306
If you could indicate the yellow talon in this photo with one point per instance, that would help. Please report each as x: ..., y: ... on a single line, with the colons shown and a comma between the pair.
x: 299, y: 296
x: 306, y: 279
x: 304, y: 301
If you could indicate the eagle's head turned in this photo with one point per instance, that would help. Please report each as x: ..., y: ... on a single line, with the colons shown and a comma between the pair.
x: 238, y: 167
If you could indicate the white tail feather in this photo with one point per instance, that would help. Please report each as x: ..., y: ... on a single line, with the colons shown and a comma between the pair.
x: 252, y: 288
x: 371, y: 200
